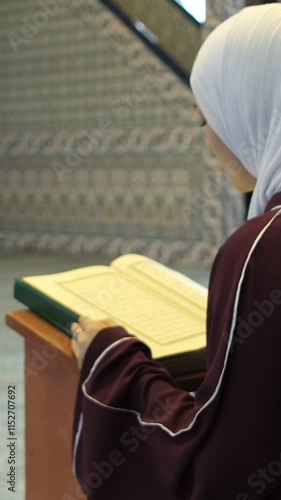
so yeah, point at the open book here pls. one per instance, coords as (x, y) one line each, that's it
(162, 307)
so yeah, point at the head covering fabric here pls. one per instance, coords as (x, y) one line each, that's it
(236, 80)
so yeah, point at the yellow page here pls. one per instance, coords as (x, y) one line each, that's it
(100, 291)
(53, 286)
(174, 286)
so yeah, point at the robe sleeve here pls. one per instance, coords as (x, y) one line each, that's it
(138, 436)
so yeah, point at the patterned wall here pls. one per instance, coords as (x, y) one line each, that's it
(98, 144)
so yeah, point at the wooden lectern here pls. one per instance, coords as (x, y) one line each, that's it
(51, 381)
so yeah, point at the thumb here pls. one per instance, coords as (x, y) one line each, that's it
(110, 322)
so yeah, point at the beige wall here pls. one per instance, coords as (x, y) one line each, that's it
(176, 32)
(99, 149)
(251, 2)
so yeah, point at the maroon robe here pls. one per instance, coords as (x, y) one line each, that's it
(138, 436)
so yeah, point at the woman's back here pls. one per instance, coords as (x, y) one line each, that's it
(136, 433)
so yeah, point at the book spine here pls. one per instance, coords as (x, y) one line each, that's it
(60, 316)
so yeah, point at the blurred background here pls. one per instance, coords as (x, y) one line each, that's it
(101, 153)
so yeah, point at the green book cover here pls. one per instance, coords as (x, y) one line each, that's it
(49, 309)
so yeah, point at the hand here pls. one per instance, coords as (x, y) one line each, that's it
(86, 330)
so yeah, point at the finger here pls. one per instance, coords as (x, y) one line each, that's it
(85, 321)
(90, 325)
(74, 326)
(109, 322)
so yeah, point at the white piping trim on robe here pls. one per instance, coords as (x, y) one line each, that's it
(277, 206)
(234, 316)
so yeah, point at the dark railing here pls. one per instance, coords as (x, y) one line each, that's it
(148, 39)
(179, 36)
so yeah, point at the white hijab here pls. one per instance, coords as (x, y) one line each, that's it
(236, 80)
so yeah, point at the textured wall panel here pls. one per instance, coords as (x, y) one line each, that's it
(99, 151)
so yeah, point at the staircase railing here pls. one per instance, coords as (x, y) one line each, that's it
(172, 49)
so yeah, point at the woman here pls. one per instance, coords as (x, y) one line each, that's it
(136, 434)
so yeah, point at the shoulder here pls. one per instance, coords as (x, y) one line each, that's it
(246, 269)
(256, 237)
(254, 249)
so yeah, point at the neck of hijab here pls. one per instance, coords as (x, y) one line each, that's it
(236, 79)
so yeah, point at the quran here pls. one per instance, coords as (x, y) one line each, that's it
(162, 307)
